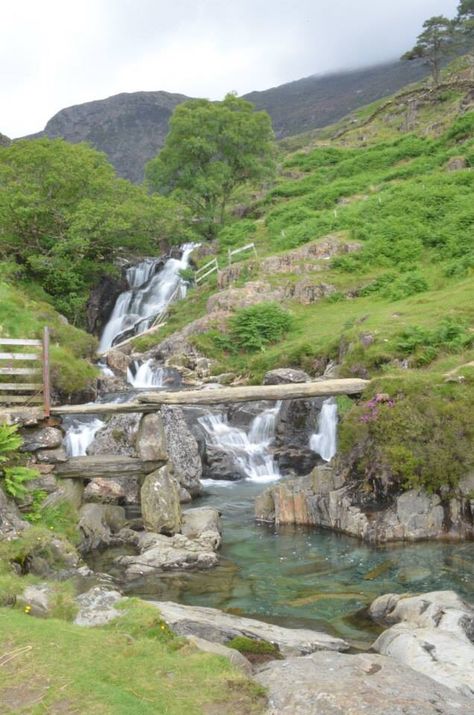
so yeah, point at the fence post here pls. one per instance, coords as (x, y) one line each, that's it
(46, 376)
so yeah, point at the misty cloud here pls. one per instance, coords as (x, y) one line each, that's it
(55, 53)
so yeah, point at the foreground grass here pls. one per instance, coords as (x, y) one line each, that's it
(50, 666)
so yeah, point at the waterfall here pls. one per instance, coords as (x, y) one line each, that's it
(324, 440)
(149, 294)
(80, 435)
(250, 452)
(145, 375)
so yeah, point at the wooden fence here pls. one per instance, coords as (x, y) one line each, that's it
(32, 363)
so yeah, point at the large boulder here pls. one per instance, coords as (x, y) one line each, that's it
(285, 375)
(117, 437)
(182, 450)
(219, 627)
(160, 500)
(432, 633)
(327, 683)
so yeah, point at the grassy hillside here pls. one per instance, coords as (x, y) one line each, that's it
(88, 670)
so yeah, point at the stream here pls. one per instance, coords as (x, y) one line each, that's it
(293, 576)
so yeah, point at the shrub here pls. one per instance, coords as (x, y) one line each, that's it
(250, 645)
(412, 432)
(255, 327)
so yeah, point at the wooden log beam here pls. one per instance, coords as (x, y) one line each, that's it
(151, 401)
(104, 466)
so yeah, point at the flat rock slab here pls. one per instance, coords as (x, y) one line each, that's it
(104, 466)
(218, 627)
(339, 684)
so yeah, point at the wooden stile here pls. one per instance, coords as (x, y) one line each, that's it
(25, 393)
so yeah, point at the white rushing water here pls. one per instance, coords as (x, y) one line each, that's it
(250, 451)
(325, 439)
(149, 294)
(146, 374)
(80, 435)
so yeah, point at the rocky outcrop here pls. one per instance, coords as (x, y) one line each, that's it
(251, 293)
(101, 302)
(129, 127)
(284, 375)
(432, 633)
(220, 627)
(324, 499)
(164, 553)
(339, 684)
(160, 501)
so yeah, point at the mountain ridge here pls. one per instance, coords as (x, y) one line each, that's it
(131, 127)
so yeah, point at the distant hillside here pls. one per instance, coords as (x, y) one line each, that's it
(129, 128)
(4, 141)
(315, 102)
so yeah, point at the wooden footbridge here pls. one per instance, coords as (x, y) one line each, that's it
(153, 400)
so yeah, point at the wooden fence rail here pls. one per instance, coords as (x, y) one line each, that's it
(18, 391)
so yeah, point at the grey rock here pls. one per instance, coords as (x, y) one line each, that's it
(236, 659)
(70, 490)
(327, 683)
(11, 523)
(324, 499)
(98, 523)
(97, 607)
(151, 438)
(220, 627)
(118, 361)
(36, 599)
(204, 524)
(283, 375)
(165, 553)
(160, 500)
(182, 449)
(51, 456)
(117, 437)
(104, 491)
(41, 438)
(432, 633)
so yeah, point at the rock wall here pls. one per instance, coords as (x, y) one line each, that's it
(324, 499)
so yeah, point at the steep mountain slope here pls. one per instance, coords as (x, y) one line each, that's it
(129, 128)
(4, 141)
(321, 100)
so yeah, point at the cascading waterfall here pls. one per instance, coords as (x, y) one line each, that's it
(324, 440)
(146, 374)
(250, 452)
(149, 294)
(80, 435)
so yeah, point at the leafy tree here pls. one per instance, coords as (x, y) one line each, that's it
(465, 18)
(433, 44)
(65, 216)
(212, 148)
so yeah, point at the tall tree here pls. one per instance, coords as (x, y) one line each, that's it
(211, 149)
(433, 44)
(465, 17)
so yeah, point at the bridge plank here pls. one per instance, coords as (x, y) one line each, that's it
(19, 370)
(20, 386)
(27, 399)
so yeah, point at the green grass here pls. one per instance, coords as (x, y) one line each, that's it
(54, 666)
(23, 316)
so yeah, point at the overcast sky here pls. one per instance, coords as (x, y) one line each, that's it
(55, 53)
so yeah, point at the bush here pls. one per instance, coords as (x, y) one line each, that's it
(412, 432)
(14, 474)
(255, 327)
